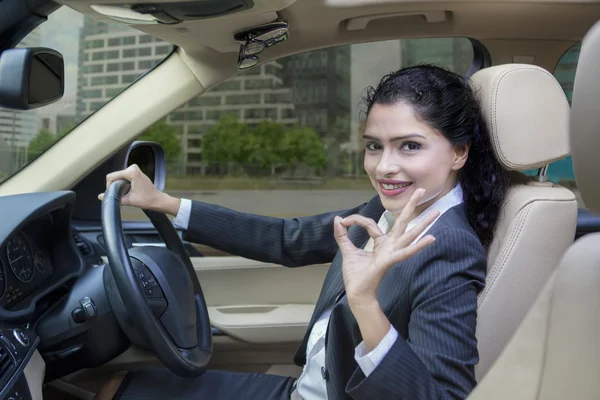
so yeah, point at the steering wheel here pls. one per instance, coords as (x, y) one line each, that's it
(159, 289)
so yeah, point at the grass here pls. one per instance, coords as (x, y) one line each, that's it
(199, 182)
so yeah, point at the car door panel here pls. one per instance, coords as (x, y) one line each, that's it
(257, 302)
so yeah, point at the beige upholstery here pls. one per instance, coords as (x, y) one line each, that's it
(528, 116)
(555, 353)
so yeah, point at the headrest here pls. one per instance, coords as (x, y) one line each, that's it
(585, 120)
(527, 114)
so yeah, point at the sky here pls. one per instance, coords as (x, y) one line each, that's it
(369, 62)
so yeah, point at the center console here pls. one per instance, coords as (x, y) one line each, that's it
(17, 346)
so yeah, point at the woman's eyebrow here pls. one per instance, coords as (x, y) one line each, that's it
(397, 138)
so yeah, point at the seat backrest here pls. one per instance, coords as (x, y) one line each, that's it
(555, 353)
(527, 114)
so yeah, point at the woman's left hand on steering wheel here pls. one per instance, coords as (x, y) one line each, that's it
(363, 270)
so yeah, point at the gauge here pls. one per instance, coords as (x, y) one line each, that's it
(2, 278)
(39, 262)
(19, 257)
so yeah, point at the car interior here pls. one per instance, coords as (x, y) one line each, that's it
(74, 304)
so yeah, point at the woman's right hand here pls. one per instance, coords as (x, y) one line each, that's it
(143, 194)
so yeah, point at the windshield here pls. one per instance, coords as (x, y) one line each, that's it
(104, 60)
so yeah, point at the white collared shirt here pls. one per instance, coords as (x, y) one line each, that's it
(312, 385)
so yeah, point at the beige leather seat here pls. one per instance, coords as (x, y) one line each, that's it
(555, 353)
(528, 118)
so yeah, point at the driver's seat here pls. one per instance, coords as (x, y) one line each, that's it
(527, 114)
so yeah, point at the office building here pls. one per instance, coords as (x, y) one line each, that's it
(112, 57)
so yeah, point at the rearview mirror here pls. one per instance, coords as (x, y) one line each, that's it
(150, 157)
(31, 77)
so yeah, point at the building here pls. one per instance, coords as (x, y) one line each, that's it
(112, 57)
(58, 117)
(320, 89)
(253, 96)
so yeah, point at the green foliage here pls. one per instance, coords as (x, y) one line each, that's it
(40, 143)
(265, 148)
(163, 133)
(303, 146)
(225, 141)
(269, 146)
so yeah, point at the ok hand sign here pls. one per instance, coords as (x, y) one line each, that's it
(363, 270)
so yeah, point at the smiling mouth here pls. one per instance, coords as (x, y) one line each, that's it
(390, 186)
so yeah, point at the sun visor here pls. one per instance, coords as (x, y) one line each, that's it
(171, 13)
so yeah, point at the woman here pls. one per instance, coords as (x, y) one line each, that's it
(395, 319)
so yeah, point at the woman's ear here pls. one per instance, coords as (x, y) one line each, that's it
(461, 153)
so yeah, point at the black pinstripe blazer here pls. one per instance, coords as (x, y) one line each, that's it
(431, 298)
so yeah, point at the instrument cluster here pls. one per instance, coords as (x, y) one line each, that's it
(25, 262)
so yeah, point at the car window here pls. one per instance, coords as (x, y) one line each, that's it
(561, 171)
(283, 139)
(101, 59)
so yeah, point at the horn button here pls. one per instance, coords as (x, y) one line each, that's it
(162, 278)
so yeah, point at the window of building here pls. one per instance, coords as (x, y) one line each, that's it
(94, 44)
(128, 40)
(112, 54)
(206, 101)
(112, 92)
(113, 67)
(93, 69)
(90, 94)
(129, 53)
(194, 143)
(145, 51)
(145, 39)
(128, 78)
(243, 99)
(145, 64)
(112, 79)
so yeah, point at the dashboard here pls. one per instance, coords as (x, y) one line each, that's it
(25, 261)
(37, 250)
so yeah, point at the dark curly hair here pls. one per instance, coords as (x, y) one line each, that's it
(447, 102)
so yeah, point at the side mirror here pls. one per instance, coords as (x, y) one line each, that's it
(31, 77)
(151, 159)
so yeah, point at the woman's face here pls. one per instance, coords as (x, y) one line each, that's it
(403, 154)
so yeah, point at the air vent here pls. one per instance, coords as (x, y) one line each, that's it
(6, 364)
(82, 245)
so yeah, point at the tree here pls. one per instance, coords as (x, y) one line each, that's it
(163, 133)
(265, 147)
(39, 144)
(303, 146)
(226, 142)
